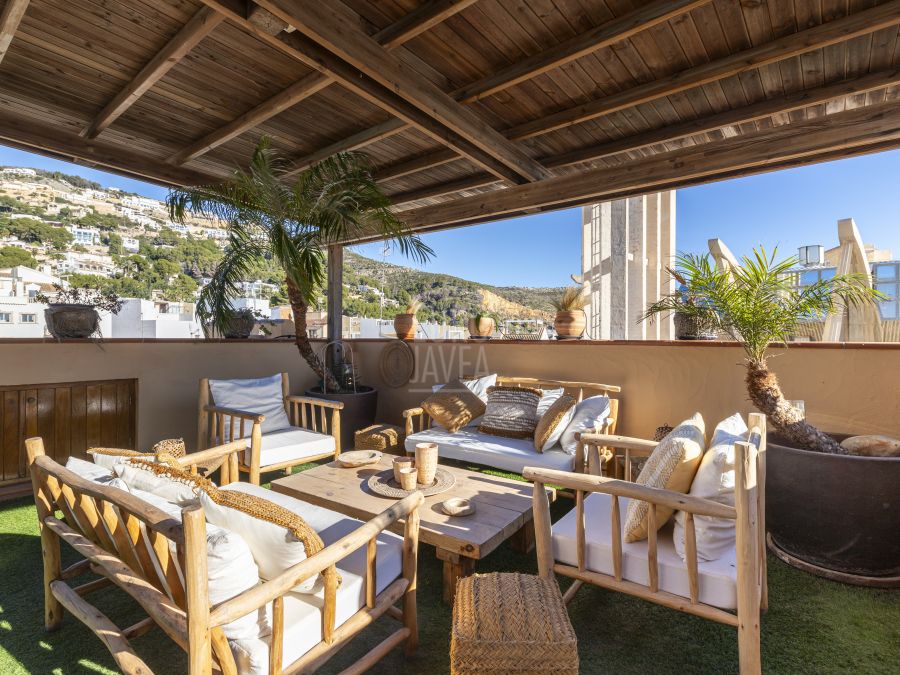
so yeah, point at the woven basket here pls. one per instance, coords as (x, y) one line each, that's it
(383, 437)
(511, 623)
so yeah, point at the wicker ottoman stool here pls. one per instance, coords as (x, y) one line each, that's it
(384, 437)
(511, 623)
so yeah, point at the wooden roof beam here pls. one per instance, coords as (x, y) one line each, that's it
(199, 26)
(332, 26)
(751, 113)
(611, 32)
(789, 46)
(842, 134)
(56, 141)
(10, 17)
(604, 35)
(416, 164)
(467, 183)
(411, 25)
(311, 54)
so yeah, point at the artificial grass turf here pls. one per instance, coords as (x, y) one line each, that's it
(813, 625)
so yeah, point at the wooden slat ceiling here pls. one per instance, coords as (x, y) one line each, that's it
(469, 109)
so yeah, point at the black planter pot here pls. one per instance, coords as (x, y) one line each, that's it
(71, 321)
(834, 515)
(240, 325)
(358, 413)
(693, 327)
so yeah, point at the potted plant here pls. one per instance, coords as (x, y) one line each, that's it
(405, 322)
(73, 312)
(692, 318)
(481, 326)
(571, 320)
(291, 219)
(241, 323)
(827, 510)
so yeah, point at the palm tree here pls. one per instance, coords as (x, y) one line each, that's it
(291, 221)
(757, 304)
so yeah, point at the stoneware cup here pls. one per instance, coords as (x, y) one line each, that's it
(401, 463)
(408, 477)
(426, 462)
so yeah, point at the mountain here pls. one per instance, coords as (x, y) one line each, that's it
(445, 297)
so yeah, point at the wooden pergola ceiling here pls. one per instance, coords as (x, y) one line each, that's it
(470, 109)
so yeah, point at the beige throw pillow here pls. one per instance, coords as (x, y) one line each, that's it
(511, 412)
(671, 466)
(453, 406)
(553, 423)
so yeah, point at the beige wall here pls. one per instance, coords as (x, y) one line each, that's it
(846, 388)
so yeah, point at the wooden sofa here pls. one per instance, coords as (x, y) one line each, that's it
(317, 423)
(161, 562)
(587, 544)
(508, 454)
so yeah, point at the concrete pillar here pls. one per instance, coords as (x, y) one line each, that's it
(626, 246)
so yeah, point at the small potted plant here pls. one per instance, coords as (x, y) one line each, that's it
(73, 312)
(571, 320)
(694, 319)
(405, 323)
(241, 323)
(481, 327)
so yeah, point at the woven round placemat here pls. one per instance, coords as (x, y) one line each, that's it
(383, 483)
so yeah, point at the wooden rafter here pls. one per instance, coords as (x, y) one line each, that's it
(840, 135)
(316, 57)
(29, 135)
(411, 25)
(468, 183)
(744, 115)
(332, 26)
(10, 17)
(416, 164)
(602, 36)
(384, 130)
(200, 25)
(789, 46)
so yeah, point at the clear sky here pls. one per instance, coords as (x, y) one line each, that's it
(785, 209)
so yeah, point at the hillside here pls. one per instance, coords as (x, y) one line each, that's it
(445, 297)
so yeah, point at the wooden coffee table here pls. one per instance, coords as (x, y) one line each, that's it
(503, 511)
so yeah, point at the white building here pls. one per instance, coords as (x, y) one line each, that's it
(141, 203)
(215, 233)
(131, 244)
(140, 318)
(86, 263)
(18, 171)
(86, 236)
(20, 315)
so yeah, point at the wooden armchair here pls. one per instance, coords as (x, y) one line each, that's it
(161, 562)
(314, 434)
(592, 549)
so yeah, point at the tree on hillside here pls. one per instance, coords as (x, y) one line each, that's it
(10, 256)
(37, 232)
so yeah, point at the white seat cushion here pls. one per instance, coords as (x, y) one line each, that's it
(303, 611)
(286, 445)
(508, 454)
(718, 578)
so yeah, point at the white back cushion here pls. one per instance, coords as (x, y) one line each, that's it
(96, 473)
(589, 415)
(138, 477)
(262, 396)
(714, 480)
(548, 398)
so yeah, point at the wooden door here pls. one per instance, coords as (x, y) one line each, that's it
(70, 416)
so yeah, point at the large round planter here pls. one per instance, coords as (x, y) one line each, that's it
(837, 516)
(240, 326)
(358, 412)
(692, 327)
(570, 325)
(405, 326)
(71, 321)
(483, 328)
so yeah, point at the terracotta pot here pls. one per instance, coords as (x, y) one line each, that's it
(570, 325)
(483, 328)
(834, 515)
(71, 321)
(405, 326)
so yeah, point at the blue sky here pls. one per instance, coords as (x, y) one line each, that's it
(785, 209)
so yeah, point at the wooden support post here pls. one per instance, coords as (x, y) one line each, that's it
(748, 595)
(410, 570)
(53, 609)
(456, 567)
(542, 534)
(335, 292)
(197, 600)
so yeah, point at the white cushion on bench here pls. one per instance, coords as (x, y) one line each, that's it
(507, 454)
(718, 578)
(303, 611)
(286, 445)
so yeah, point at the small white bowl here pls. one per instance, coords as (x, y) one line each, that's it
(457, 506)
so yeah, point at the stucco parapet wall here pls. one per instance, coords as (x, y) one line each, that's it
(550, 344)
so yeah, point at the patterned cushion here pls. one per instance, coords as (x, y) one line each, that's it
(553, 423)
(453, 406)
(511, 412)
(672, 466)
